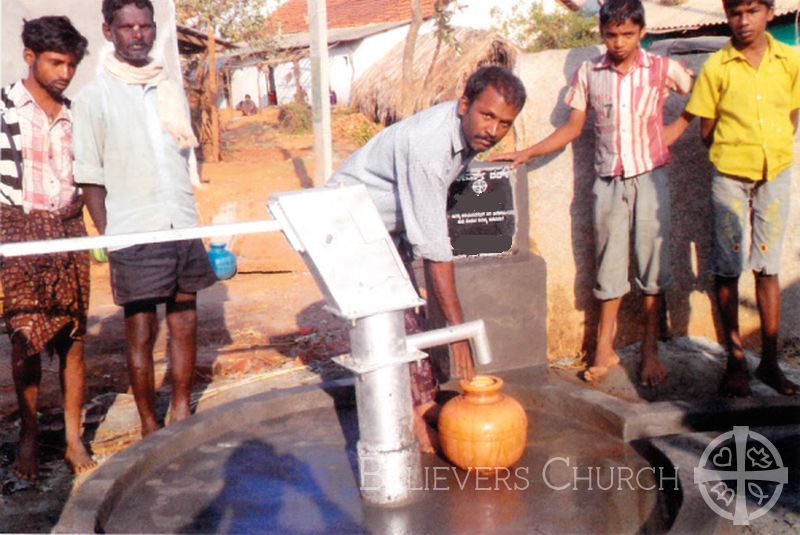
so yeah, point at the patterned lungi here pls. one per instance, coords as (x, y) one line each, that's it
(424, 384)
(44, 293)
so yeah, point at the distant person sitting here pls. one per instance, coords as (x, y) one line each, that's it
(247, 106)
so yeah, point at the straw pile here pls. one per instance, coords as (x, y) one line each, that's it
(377, 93)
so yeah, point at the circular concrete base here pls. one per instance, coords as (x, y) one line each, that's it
(286, 463)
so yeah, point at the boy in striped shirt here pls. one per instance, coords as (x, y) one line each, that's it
(625, 88)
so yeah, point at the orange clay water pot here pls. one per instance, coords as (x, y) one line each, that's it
(483, 428)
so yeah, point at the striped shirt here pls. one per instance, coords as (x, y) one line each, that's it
(46, 147)
(628, 109)
(10, 154)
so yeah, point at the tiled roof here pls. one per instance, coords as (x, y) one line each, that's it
(292, 17)
(692, 14)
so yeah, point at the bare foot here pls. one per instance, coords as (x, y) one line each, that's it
(78, 459)
(736, 381)
(605, 358)
(430, 412)
(427, 436)
(178, 413)
(26, 465)
(651, 371)
(773, 376)
(149, 427)
(603, 361)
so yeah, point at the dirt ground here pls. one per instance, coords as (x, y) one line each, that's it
(265, 322)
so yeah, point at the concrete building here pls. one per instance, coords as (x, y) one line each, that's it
(360, 33)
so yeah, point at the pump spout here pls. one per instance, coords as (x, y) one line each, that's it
(470, 330)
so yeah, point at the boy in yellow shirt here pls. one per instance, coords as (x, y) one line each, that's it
(747, 96)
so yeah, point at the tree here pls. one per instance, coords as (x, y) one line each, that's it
(235, 20)
(445, 33)
(407, 83)
(443, 13)
(528, 26)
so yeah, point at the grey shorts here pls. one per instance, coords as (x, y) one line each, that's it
(156, 271)
(749, 213)
(633, 209)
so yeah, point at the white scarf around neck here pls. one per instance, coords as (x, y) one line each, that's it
(171, 107)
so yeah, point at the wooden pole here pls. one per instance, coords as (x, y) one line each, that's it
(320, 87)
(212, 96)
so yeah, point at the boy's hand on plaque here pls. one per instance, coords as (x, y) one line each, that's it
(517, 158)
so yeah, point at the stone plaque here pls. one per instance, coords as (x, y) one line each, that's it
(481, 214)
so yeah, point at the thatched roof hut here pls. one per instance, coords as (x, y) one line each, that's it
(377, 93)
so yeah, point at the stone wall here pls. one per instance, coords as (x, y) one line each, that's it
(561, 222)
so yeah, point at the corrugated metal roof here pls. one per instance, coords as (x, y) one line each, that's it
(694, 14)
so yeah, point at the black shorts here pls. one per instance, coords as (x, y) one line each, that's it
(156, 271)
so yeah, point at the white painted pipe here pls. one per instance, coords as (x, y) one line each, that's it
(136, 238)
(470, 330)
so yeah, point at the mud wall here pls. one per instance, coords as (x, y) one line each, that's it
(561, 222)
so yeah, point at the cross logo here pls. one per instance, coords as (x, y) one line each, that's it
(737, 467)
(479, 186)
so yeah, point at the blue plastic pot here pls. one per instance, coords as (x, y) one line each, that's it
(222, 261)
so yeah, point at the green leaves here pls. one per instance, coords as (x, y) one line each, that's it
(528, 26)
(235, 20)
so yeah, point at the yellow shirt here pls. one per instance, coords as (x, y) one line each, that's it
(752, 108)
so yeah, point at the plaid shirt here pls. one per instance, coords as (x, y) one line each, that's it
(47, 182)
(628, 108)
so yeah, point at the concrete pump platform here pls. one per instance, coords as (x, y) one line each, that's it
(285, 462)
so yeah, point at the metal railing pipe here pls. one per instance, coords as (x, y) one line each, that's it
(136, 238)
